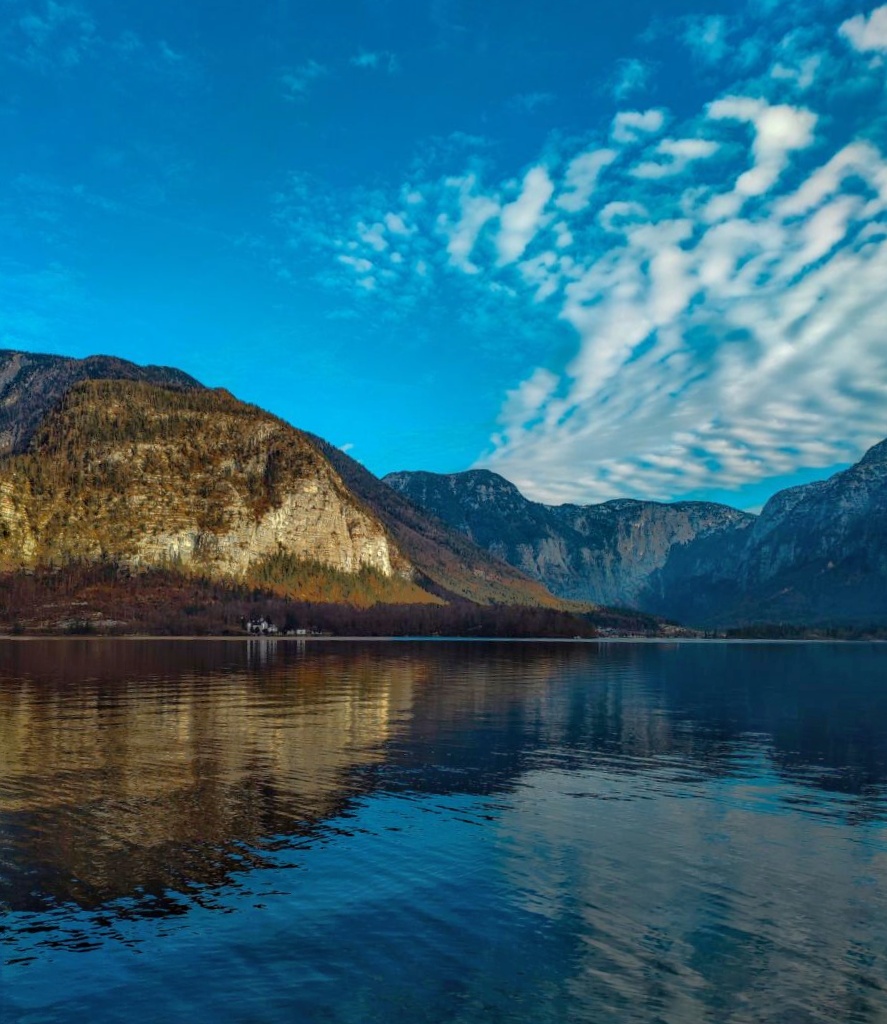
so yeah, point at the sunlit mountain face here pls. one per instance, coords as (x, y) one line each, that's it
(607, 252)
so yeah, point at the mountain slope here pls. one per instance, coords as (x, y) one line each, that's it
(449, 563)
(31, 384)
(175, 475)
(815, 554)
(142, 475)
(603, 553)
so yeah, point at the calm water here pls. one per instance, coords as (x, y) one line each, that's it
(277, 831)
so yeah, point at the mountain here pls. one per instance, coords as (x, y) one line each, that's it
(107, 462)
(816, 553)
(449, 564)
(604, 553)
(31, 384)
(143, 475)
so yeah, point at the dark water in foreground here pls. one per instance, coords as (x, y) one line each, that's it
(263, 832)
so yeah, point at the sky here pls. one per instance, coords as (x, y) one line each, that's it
(607, 250)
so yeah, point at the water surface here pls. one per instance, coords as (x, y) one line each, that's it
(288, 831)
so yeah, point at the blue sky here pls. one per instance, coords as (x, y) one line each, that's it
(607, 250)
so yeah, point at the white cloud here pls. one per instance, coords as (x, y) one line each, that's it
(867, 33)
(631, 125)
(728, 320)
(859, 160)
(619, 216)
(779, 130)
(373, 235)
(396, 224)
(462, 231)
(296, 84)
(581, 178)
(677, 154)
(358, 263)
(802, 73)
(733, 350)
(521, 219)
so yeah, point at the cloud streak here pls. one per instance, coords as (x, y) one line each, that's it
(723, 283)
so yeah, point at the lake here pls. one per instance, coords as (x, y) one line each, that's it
(263, 831)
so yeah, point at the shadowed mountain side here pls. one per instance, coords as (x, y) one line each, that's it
(449, 562)
(816, 553)
(31, 384)
(601, 553)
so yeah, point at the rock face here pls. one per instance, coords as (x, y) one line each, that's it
(31, 384)
(448, 563)
(816, 553)
(144, 475)
(143, 466)
(603, 553)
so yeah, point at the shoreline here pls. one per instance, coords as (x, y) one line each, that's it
(142, 637)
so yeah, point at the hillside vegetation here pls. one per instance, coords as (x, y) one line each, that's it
(105, 599)
(144, 476)
(32, 384)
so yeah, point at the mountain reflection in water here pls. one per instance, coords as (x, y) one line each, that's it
(690, 828)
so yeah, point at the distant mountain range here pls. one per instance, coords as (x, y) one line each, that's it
(816, 553)
(103, 462)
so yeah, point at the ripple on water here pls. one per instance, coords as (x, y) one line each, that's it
(371, 832)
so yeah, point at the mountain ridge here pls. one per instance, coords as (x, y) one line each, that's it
(104, 461)
(577, 551)
(816, 552)
(31, 383)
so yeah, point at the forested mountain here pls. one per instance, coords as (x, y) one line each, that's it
(31, 384)
(141, 468)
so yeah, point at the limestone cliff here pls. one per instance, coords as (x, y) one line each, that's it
(144, 475)
(101, 459)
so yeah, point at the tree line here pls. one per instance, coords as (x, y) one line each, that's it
(105, 598)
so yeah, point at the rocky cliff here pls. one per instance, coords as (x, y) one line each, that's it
(816, 553)
(448, 563)
(602, 553)
(102, 460)
(144, 475)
